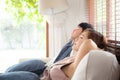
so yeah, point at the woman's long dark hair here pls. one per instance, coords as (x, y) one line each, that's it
(97, 37)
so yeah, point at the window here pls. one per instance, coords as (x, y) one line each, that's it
(115, 20)
(106, 19)
(100, 16)
(22, 31)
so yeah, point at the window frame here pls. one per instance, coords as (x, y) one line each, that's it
(47, 39)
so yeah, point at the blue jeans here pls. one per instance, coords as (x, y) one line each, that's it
(19, 75)
(27, 70)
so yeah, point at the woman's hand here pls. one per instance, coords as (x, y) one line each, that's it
(90, 44)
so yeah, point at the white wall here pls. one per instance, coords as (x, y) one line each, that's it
(62, 24)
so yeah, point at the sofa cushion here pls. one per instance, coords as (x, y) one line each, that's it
(97, 65)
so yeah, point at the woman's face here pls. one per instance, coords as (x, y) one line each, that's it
(79, 40)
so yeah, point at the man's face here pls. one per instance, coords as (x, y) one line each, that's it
(76, 32)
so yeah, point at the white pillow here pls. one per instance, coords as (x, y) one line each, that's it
(97, 65)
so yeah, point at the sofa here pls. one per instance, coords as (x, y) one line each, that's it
(96, 65)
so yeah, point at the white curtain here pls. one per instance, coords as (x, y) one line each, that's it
(62, 24)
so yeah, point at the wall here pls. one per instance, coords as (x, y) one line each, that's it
(62, 24)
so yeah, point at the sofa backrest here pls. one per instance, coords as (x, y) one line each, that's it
(97, 65)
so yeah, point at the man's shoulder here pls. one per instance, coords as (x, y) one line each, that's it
(69, 42)
(66, 46)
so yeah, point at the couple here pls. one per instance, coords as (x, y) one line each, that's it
(64, 69)
(84, 39)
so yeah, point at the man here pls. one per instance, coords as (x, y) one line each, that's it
(37, 66)
(66, 50)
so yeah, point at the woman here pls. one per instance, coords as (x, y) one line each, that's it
(64, 69)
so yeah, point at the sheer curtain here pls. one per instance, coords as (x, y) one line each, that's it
(62, 24)
(57, 33)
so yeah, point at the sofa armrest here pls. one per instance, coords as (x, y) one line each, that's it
(42, 59)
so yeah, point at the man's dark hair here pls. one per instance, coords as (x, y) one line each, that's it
(85, 25)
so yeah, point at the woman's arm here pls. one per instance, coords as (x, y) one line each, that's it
(85, 47)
